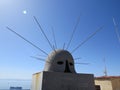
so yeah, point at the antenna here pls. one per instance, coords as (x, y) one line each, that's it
(73, 32)
(54, 37)
(87, 39)
(105, 68)
(43, 32)
(116, 30)
(26, 40)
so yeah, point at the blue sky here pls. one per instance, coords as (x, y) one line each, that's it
(15, 60)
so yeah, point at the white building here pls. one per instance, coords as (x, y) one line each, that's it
(108, 83)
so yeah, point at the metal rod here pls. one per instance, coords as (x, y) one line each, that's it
(87, 39)
(116, 30)
(76, 25)
(26, 40)
(54, 37)
(40, 59)
(63, 46)
(43, 32)
(41, 55)
(83, 63)
(54, 48)
(77, 58)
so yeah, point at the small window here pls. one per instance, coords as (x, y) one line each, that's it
(71, 64)
(97, 87)
(60, 62)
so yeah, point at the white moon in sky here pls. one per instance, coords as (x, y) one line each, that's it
(24, 12)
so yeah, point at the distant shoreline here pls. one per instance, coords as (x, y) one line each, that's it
(5, 84)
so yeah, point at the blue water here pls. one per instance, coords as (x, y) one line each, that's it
(5, 84)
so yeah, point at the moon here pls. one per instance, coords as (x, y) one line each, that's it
(24, 12)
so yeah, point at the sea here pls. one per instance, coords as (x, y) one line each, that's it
(5, 84)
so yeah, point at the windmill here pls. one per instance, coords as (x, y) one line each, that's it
(54, 47)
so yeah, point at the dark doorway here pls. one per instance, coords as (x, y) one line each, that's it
(67, 69)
